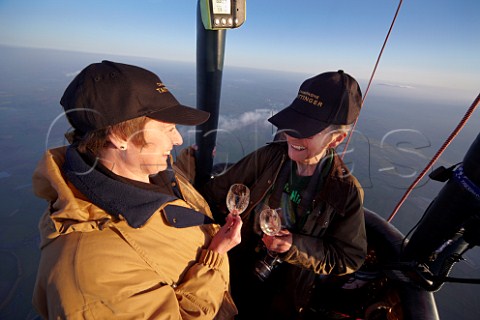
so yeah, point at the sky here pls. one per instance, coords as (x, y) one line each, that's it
(433, 42)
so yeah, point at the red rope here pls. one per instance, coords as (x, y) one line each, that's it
(455, 132)
(445, 144)
(372, 75)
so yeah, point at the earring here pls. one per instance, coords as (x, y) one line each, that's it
(123, 147)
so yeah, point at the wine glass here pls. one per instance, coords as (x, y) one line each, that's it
(270, 222)
(238, 198)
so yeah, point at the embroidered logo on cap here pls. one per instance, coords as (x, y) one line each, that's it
(309, 98)
(161, 88)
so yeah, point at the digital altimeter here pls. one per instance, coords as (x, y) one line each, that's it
(222, 14)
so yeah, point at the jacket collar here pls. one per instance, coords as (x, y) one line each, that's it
(119, 199)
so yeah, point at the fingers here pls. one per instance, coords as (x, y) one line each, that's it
(283, 233)
(277, 243)
(229, 235)
(268, 241)
(233, 223)
(232, 217)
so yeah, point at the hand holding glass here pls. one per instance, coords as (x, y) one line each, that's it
(271, 224)
(238, 198)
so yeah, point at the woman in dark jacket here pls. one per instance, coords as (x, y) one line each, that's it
(321, 203)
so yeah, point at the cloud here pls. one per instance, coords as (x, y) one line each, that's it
(4, 174)
(72, 74)
(396, 85)
(257, 117)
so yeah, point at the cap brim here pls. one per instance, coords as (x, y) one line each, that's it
(180, 114)
(296, 124)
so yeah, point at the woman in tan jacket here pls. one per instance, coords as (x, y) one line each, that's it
(125, 235)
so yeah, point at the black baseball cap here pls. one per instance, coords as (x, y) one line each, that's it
(326, 99)
(107, 93)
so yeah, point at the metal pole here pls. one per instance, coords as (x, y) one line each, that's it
(210, 57)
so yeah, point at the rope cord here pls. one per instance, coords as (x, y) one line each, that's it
(372, 75)
(455, 132)
(439, 152)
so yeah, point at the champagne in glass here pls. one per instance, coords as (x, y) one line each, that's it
(270, 222)
(238, 198)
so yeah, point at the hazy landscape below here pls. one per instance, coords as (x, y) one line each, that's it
(398, 131)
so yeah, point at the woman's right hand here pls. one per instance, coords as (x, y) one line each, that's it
(282, 242)
(228, 236)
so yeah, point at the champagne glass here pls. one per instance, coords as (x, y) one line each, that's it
(270, 222)
(238, 198)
